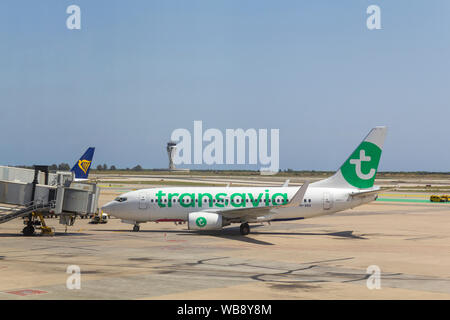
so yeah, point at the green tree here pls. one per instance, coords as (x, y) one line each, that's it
(64, 167)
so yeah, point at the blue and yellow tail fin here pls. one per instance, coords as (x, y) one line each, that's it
(82, 166)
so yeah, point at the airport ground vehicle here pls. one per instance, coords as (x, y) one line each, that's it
(99, 219)
(441, 198)
(435, 198)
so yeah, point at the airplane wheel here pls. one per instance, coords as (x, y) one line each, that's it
(28, 231)
(136, 228)
(245, 229)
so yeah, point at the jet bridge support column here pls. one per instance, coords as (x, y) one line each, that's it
(29, 229)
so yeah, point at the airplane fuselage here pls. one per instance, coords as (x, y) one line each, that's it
(175, 203)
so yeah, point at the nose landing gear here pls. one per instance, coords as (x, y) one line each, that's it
(136, 228)
(245, 229)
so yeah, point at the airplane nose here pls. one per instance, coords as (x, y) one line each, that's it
(109, 207)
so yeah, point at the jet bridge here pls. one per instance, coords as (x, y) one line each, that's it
(18, 212)
(34, 194)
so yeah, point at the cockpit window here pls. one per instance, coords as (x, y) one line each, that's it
(120, 199)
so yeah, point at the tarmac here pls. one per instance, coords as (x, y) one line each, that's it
(321, 258)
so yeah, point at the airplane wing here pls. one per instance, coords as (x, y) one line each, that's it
(243, 214)
(298, 197)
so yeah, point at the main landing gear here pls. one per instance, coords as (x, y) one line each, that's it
(245, 229)
(136, 228)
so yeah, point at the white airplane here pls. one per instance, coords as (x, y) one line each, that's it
(212, 208)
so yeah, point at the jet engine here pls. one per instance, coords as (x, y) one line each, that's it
(204, 221)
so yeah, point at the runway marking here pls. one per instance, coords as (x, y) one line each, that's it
(26, 292)
(411, 201)
(403, 195)
(403, 200)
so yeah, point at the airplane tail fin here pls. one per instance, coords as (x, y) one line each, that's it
(359, 170)
(82, 166)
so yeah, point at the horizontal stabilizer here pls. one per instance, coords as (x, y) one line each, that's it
(362, 194)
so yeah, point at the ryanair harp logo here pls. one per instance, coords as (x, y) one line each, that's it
(84, 165)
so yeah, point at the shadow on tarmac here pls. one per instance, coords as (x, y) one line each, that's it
(37, 234)
(232, 233)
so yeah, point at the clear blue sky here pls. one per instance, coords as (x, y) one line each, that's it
(137, 70)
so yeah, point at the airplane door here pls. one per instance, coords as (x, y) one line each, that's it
(143, 203)
(327, 201)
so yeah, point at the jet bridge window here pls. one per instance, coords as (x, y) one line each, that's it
(121, 199)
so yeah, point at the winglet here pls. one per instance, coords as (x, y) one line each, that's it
(286, 183)
(298, 197)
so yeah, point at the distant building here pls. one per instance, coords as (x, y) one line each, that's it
(171, 148)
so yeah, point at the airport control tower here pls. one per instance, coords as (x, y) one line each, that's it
(171, 148)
